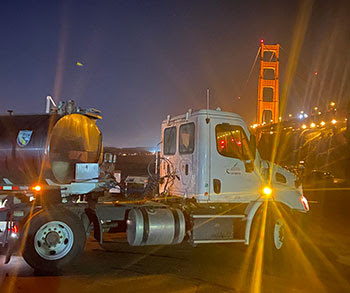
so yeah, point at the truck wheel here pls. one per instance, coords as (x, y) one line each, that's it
(54, 239)
(277, 237)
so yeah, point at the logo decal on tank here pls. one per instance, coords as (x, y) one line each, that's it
(23, 137)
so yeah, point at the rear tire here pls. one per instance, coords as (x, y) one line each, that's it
(54, 240)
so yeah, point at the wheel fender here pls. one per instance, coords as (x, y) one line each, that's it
(289, 197)
(250, 211)
(28, 217)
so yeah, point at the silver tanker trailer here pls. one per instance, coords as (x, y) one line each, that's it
(49, 166)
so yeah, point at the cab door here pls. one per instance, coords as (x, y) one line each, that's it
(178, 148)
(232, 171)
(186, 157)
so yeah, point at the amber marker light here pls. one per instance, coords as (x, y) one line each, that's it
(267, 191)
(36, 188)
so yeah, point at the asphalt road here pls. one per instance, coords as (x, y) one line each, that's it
(320, 263)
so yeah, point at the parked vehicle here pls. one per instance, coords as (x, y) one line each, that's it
(213, 188)
(318, 179)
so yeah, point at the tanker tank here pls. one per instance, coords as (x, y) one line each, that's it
(38, 147)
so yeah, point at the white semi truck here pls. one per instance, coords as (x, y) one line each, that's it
(213, 188)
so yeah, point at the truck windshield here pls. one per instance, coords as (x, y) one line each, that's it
(231, 141)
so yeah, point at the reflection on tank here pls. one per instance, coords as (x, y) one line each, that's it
(47, 146)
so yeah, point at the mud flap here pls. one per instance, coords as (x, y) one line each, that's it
(98, 232)
(8, 255)
(12, 247)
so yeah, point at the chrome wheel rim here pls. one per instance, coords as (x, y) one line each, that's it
(53, 240)
(278, 234)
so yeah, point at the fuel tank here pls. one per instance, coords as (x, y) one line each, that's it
(155, 226)
(38, 147)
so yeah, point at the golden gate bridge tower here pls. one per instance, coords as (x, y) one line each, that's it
(268, 85)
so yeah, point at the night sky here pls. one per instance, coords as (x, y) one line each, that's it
(143, 60)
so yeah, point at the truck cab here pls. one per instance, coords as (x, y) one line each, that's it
(215, 160)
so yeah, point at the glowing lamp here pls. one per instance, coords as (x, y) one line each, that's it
(36, 188)
(305, 203)
(15, 229)
(267, 190)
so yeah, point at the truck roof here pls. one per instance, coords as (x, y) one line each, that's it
(205, 112)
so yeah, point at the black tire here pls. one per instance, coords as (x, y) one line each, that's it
(68, 240)
(275, 233)
(277, 237)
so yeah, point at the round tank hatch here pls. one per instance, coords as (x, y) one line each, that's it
(75, 138)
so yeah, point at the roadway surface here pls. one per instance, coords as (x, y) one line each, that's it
(320, 264)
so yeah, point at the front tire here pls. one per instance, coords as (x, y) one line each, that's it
(277, 236)
(54, 239)
(271, 235)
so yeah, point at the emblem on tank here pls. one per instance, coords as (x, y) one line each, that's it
(23, 137)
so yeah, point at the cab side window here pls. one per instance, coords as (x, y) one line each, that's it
(231, 141)
(186, 138)
(169, 143)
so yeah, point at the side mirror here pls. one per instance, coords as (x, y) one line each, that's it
(252, 146)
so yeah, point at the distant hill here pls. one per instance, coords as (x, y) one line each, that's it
(128, 151)
(132, 161)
